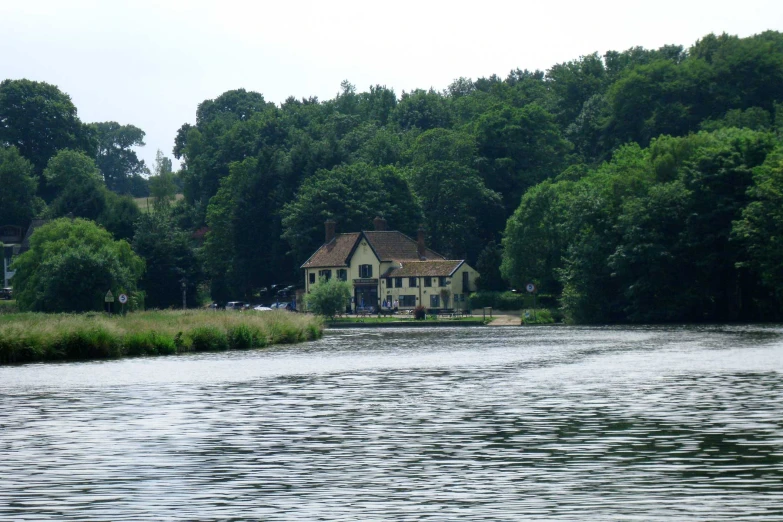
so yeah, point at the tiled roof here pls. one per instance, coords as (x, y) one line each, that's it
(391, 245)
(425, 268)
(334, 253)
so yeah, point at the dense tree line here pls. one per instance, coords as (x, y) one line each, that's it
(640, 185)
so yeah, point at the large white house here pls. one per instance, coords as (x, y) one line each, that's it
(386, 265)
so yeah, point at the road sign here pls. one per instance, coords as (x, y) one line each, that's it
(109, 297)
(530, 287)
(122, 298)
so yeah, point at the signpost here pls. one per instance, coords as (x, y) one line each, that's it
(531, 288)
(122, 298)
(109, 299)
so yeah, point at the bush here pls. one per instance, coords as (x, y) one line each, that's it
(149, 343)
(420, 313)
(510, 300)
(537, 316)
(206, 338)
(242, 337)
(329, 297)
(92, 343)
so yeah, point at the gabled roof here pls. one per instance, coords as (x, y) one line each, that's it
(388, 245)
(335, 253)
(391, 245)
(434, 268)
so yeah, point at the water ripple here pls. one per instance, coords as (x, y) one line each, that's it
(475, 424)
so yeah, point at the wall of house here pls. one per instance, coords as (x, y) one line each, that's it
(457, 293)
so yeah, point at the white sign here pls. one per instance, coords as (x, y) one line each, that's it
(122, 298)
(531, 287)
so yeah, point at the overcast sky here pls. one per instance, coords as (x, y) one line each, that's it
(150, 63)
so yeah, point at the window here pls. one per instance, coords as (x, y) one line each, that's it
(397, 282)
(408, 301)
(312, 278)
(442, 281)
(342, 274)
(412, 282)
(434, 301)
(388, 282)
(326, 274)
(365, 271)
(465, 282)
(427, 281)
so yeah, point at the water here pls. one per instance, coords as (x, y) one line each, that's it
(439, 424)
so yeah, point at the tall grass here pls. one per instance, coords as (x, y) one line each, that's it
(31, 337)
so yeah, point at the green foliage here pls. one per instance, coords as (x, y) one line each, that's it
(78, 185)
(537, 316)
(116, 159)
(500, 300)
(353, 195)
(162, 187)
(488, 267)
(18, 202)
(169, 258)
(31, 337)
(328, 297)
(70, 266)
(208, 338)
(39, 120)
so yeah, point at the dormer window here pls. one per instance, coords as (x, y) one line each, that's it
(365, 271)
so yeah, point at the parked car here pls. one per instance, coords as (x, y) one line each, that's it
(237, 305)
(261, 308)
(6, 293)
(282, 306)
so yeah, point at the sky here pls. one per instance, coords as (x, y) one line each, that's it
(150, 63)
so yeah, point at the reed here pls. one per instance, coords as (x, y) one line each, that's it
(29, 337)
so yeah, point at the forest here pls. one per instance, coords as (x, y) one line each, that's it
(635, 186)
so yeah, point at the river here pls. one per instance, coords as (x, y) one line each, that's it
(563, 423)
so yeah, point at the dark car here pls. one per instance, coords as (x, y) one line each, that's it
(6, 293)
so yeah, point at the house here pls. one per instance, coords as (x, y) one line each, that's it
(386, 265)
(11, 238)
(15, 243)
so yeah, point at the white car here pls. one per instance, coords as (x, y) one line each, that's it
(260, 308)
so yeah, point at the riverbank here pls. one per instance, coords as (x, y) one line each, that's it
(32, 337)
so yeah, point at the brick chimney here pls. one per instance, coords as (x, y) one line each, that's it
(420, 248)
(380, 224)
(329, 227)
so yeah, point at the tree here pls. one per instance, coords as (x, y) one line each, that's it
(18, 203)
(162, 187)
(78, 185)
(71, 265)
(488, 267)
(759, 230)
(329, 297)
(40, 120)
(116, 159)
(353, 195)
(169, 258)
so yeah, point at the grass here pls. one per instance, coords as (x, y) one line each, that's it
(28, 337)
(145, 204)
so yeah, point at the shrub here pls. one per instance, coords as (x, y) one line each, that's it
(206, 338)
(329, 297)
(537, 316)
(420, 313)
(88, 343)
(149, 343)
(242, 337)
